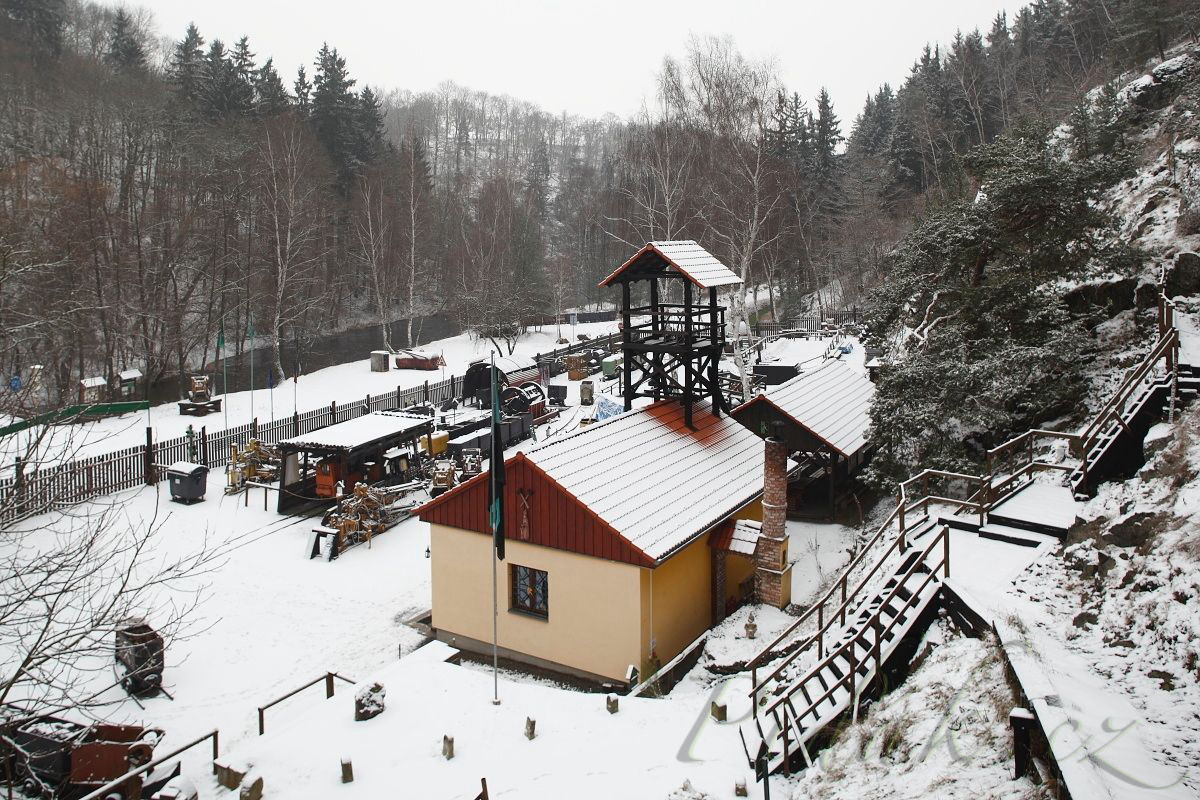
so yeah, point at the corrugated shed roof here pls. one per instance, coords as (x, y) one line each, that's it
(832, 401)
(689, 258)
(654, 481)
(358, 431)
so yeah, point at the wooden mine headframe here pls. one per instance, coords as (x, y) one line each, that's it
(674, 351)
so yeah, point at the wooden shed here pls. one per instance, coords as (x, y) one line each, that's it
(825, 415)
(367, 449)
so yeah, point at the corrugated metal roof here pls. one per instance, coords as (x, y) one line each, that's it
(654, 481)
(832, 401)
(358, 431)
(689, 258)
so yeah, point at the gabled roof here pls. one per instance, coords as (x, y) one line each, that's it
(737, 536)
(832, 402)
(641, 476)
(685, 257)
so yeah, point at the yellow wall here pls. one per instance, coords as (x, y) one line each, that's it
(737, 569)
(604, 615)
(676, 603)
(594, 604)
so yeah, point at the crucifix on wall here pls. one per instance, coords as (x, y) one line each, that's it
(523, 531)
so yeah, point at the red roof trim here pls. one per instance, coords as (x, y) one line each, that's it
(648, 247)
(640, 558)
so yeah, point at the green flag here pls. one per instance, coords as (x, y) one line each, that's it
(496, 471)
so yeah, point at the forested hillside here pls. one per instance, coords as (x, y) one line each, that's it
(159, 187)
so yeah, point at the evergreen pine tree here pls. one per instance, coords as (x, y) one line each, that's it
(186, 69)
(38, 23)
(125, 50)
(336, 114)
(270, 96)
(302, 90)
(243, 74)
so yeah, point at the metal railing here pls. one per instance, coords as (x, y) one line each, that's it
(328, 677)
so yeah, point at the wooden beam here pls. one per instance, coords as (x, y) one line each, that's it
(688, 364)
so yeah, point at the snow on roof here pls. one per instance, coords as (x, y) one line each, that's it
(833, 402)
(507, 364)
(129, 374)
(92, 383)
(654, 481)
(688, 258)
(357, 432)
(745, 536)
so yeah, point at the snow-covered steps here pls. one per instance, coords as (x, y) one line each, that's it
(799, 707)
(1039, 507)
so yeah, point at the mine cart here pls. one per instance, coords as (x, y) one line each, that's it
(59, 759)
(139, 654)
(444, 478)
(200, 399)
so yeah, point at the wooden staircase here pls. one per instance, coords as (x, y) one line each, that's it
(817, 669)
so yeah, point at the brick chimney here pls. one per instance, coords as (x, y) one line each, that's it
(773, 573)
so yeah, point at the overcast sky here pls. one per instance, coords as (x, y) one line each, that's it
(585, 58)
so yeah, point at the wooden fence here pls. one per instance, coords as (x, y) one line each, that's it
(810, 324)
(34, 489)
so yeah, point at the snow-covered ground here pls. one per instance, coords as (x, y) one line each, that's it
(344, 383)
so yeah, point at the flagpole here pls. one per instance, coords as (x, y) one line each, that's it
(495, 523)
(251, 367)
(224, 375)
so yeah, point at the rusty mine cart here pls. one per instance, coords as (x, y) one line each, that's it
(57, 759)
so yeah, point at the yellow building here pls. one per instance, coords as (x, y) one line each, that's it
(621, 547)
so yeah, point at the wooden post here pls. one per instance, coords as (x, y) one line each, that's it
(688, 365)
(843, 606)
(254, 428)
(149, 456)
(878, 637)
(821, 630)
(946, 551)
(262, 721)
(332, 411)
(204, 444)
(1022, 722)
(626, 338)
(713, 338)
(328, 685)
(426, 391)
(853, 679)
(347, 771)
(295, 424)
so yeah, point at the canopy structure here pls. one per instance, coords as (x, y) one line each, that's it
(824, 414)
(370, 431)
(381, 446)
(685, 258)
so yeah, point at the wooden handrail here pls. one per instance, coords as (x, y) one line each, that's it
(981, 501)
(891, 595)
(848, 602)
(761, 656)
(1125, 389)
